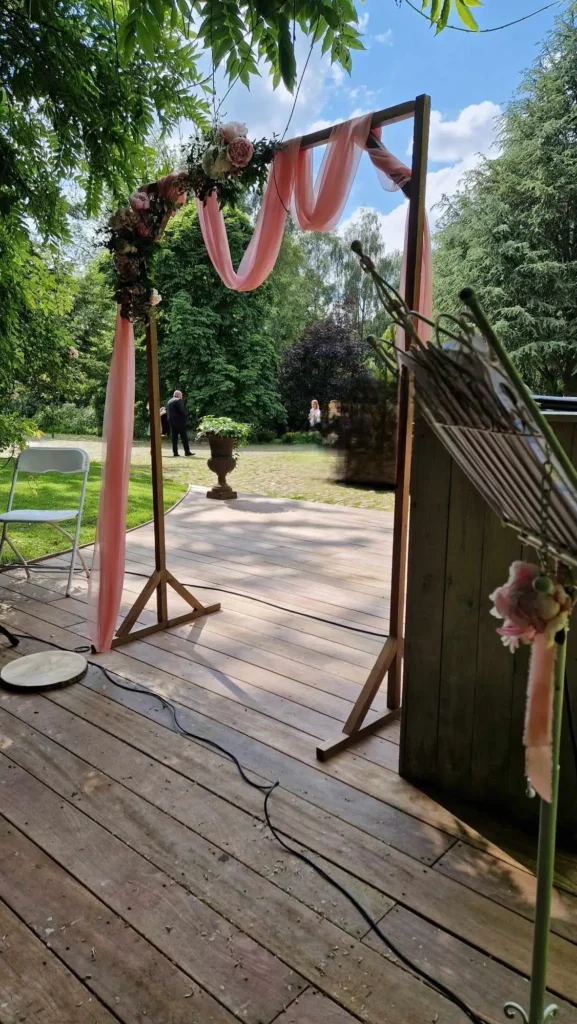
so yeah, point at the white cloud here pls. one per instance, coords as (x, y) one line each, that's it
(363, 21)
(476, 140)
(385, 37)
(473, 131)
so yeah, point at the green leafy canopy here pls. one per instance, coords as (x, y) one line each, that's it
(440, 11)
(511, 232)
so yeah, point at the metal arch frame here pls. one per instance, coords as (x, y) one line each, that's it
(390, 660)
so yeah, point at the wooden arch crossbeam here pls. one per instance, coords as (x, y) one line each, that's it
(389, 661)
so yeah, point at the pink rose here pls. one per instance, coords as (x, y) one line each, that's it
(240, 151)
(139, 201)
(233, 130)
(528, 611)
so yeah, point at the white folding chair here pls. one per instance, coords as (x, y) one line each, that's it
(48, 460)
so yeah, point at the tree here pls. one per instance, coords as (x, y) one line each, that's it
(357, 289)
(215, 344)
(328, 364)
(84, 83)
(512, 230)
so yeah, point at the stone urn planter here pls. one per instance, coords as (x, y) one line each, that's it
(224, 435)
(222, 462)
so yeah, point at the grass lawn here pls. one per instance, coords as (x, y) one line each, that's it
(304, 473)
(55, 491)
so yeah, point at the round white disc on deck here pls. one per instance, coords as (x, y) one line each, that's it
(44, 670)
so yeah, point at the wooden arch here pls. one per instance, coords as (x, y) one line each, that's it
(390, 660)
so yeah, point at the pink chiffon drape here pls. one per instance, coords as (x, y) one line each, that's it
(315, 206)
(107, 574)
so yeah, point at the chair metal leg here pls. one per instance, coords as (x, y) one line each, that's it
(18, 554)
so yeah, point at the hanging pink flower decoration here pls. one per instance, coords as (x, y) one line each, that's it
(215, 163)
(139, 201)
(233, 130)
(528, 610)
(240, 151)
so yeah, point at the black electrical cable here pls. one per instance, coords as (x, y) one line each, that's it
(495, 28)
(268, 789)
(273, 604)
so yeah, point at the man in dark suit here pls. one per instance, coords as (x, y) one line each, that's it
(176, 412)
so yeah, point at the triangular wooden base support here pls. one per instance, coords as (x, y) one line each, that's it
(159, 581)
(354, 729)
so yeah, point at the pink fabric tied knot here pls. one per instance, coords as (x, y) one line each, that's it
(534, 614)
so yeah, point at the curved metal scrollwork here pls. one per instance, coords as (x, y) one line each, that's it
(512, 1009)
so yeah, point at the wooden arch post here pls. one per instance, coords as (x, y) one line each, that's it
(390, 660)
(161, 578)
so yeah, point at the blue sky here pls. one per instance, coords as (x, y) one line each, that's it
(469, 78)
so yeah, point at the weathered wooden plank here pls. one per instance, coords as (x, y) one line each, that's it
(317, 949)
(314, 1008)
(475, 919)
(232, 967)
(494, 671)
(234, 831)
(35, 986)
(480, 981)
(508, 885)
(119, 967)
(373, 784)
(430, 489)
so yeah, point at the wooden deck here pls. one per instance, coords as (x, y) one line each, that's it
(138, 880)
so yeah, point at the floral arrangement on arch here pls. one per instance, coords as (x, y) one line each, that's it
(221, 160)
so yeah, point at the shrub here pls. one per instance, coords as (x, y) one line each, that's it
(223, 426)
(302, 437)
(68, 419)
(262, 435)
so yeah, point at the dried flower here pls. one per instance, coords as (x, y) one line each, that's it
(73, 353)
(240, 151)
(233, 130)
(155, 298)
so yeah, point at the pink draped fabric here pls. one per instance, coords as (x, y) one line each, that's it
(315, 206)
(538, 734)
(318, 206)
(107, 575)
(262, 250)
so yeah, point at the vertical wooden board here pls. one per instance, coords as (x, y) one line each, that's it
(494, 676)
(35, 986)
(459, 640)
(430, 491)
